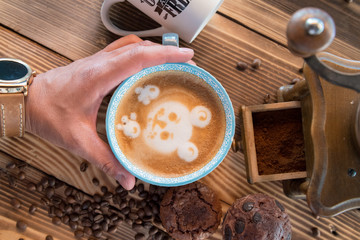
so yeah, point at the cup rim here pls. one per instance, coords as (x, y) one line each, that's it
(192, 177)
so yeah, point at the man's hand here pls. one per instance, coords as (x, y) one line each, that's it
(63, 103)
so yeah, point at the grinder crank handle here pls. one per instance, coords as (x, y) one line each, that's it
(310, 31)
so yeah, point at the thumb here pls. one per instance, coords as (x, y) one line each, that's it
(99, 153)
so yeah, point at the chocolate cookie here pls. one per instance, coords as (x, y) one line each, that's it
(256, 216)
(190, 212)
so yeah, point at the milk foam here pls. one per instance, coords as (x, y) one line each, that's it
(188, 151)
(148, 93)
(168, 127)
(200, 116)
(130, 127)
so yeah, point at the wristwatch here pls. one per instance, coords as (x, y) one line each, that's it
(15, 79)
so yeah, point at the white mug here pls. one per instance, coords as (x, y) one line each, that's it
(184, 17)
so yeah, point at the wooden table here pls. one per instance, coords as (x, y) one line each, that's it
(49, 34)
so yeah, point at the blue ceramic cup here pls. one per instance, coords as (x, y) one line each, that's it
(174, 181)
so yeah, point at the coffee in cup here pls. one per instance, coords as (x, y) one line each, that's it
(170, 123)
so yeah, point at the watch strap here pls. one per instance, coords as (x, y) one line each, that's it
(12, 115)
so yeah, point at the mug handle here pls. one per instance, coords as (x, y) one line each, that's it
(105, 18)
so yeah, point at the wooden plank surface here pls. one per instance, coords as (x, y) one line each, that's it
(270, 18)
(217, 49)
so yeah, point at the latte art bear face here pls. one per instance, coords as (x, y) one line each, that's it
(169, 121)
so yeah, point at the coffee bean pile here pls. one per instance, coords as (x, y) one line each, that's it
(102, 214)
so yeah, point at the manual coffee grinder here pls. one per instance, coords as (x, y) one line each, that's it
(330, 110)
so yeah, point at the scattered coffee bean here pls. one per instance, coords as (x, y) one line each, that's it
(56, 220)
(158, 236)
(49, 237)
(108, 195)
(119, 189)
(15, 203)
(132, 203)
(118, 221)
(73, 225)
(256, 63)
(95, 226)
(147, 225)
(68, 191)
(241, 66)
(78, 234)
(155, 197)
(248, 206)
(125, 210)
(95, 181)
(104, 226)
(124, 194)
(71, 199)
(58, 184)
(112, 229)
(266, 99)
(87, 231)
(21, 226)
(97, 233)
(68, 208)
(10, 165)
(12, 181)
(49, 192)
(98, 218)
(153, 230)
(315, 232)
(104, 189)
(79, 196)
(56, 200)
(21, 175)
(39, 187)
(84, 166)
(140, 236)
(97, 198)
(65, 219)
(157, 220)
(31, 186)
(140, 187)
(133, 216)
(45, 201)
(257, 217)
(133, 190)
(143, 194)
(137, 227)
(51, 181)
(33, 208)
(74, 217)
(44, 182)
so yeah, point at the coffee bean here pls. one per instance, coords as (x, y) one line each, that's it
(241, 66)
(153, 230)
(158, 236)
(56, 220)
(44, 182)
(104, 189)
(85, 205)
(104, 204)
(78, 234)
(84, 166)
(138, 221)
(125, 210)
(279, 205)
(51, 181)
(147, 218)
(256, 63)
(58, 184)
(132, 203)
(74, 217)
(248, 206)
(147, 225)
(112, 229)
(155, 209)
(49, 192)
(124, 194)
(59, 213)
(95, 226)
(123, 204)
(68, 191)
(257, 217)
(239, 226)
(77, 208)
(45, 201)
(31, 186)
(155, 197)
(108, 195)
(21, 226)
(148, 210)
(39, 187)
(12, 181)
(119, 189)
(97, 198)
(266, 99)
(49, 237)
(137, 227)
(79, 196)
(118, 221)
(143, 194)
(68, 208)
(33, 208)
(95, 181)
(86, 222)
(97, 233)
(98, 218)
(142, 204)
(95, 205)
(104, 226)
(15, 203)
(65, 219)
(56, 200)
(228, 233)
(21, 175)
(87, 231)
(10, 165)
(315, 232)
(133, 190)
(133, 216)
(73, 225)
(71, 199)
(157, 220)
(140, 236)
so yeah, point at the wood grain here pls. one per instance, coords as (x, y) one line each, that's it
(270, 18)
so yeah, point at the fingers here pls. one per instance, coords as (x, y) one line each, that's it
(129, 39)
(100, 154)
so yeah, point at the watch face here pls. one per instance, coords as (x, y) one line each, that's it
(10, 70)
